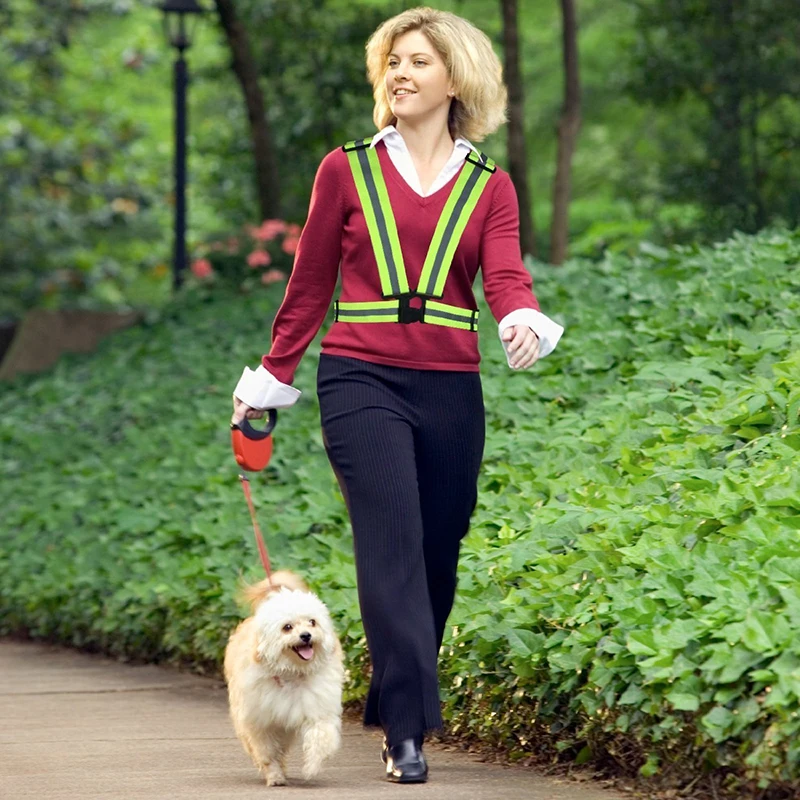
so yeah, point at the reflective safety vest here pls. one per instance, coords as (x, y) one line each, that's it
(395, 307)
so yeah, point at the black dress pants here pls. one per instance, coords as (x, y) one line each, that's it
(406, 446)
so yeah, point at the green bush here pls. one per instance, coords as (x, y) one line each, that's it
(629, 589)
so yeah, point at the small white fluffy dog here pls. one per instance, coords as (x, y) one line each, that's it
(284, 671)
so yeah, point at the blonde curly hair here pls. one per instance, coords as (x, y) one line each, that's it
(479, 105)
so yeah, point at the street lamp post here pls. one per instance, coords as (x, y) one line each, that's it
(180, 17)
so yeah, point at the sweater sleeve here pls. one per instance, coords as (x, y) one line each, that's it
(507, 284)
(313, 279)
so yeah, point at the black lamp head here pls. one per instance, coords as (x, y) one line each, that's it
(180, 17)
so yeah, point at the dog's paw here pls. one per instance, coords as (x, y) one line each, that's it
(275, 778)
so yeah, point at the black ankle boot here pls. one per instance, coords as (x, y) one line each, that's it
(385, 746)
(405, 762)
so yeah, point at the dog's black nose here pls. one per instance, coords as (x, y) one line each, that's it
(306, 637)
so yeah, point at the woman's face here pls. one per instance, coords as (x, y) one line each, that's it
(417, 82)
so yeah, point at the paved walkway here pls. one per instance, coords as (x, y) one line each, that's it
(80, 727)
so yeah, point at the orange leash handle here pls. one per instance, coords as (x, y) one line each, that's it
(252, 449)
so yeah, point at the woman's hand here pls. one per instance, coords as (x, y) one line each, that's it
(523, 350)
(242, 410)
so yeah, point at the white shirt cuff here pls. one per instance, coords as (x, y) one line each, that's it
(261, 389)
(548, 331)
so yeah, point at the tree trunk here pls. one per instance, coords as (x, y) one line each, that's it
(246, 71)
(517, 157)
(568, 125)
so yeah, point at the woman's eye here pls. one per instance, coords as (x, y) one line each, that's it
(418, 61)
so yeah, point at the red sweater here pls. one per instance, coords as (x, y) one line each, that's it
(335, 234)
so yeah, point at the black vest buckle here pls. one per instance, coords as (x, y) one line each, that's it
(407, 313)
(480, 161)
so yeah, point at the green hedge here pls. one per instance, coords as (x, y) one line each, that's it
(630, 588)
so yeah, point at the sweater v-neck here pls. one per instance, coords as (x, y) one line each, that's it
(387, 165)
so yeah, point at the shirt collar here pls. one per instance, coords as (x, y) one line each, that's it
(391, 131)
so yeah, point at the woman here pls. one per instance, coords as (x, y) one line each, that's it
(408, 215)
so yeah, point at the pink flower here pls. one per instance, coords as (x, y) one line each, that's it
(259, 258)
(289, 244)
(293, 229)
(233, 245)
(272, 276)
(201, 268)
(217, 246)
(268, 230)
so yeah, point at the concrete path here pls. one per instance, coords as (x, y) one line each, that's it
(80, 727)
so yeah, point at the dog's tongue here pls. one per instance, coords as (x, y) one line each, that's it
(305, 651)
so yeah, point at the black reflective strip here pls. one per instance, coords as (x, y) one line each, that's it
(482, 161)
(451, 223)
(364, 312)
(430, 312)
(380, 221)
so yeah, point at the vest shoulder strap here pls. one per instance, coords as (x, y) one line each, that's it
(469, 186)
(373, 195)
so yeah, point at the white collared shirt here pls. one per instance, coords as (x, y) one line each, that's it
(401, 158)
(260, 389)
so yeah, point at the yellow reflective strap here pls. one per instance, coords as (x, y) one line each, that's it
(345, 316)
(370, 216)
(394, 257)
(377, 311)
(387, 311)
(450, 316)
(460, 223)
(378, 214)
(460, 204)
(378, 304)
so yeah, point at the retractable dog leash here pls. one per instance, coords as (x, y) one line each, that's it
(252, 449)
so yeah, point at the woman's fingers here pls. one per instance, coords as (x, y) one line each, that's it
(517, 338)
(515, 343)
(531, 355)
(243, 411)
(524, 347)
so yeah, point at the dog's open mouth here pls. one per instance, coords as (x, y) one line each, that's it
(305, 651)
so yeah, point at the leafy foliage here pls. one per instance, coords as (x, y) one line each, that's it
(730, 70)
(643, 560)
(78, 214)
(629, 587)
(311, 57)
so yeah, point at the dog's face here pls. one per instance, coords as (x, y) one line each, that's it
(295, 632)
